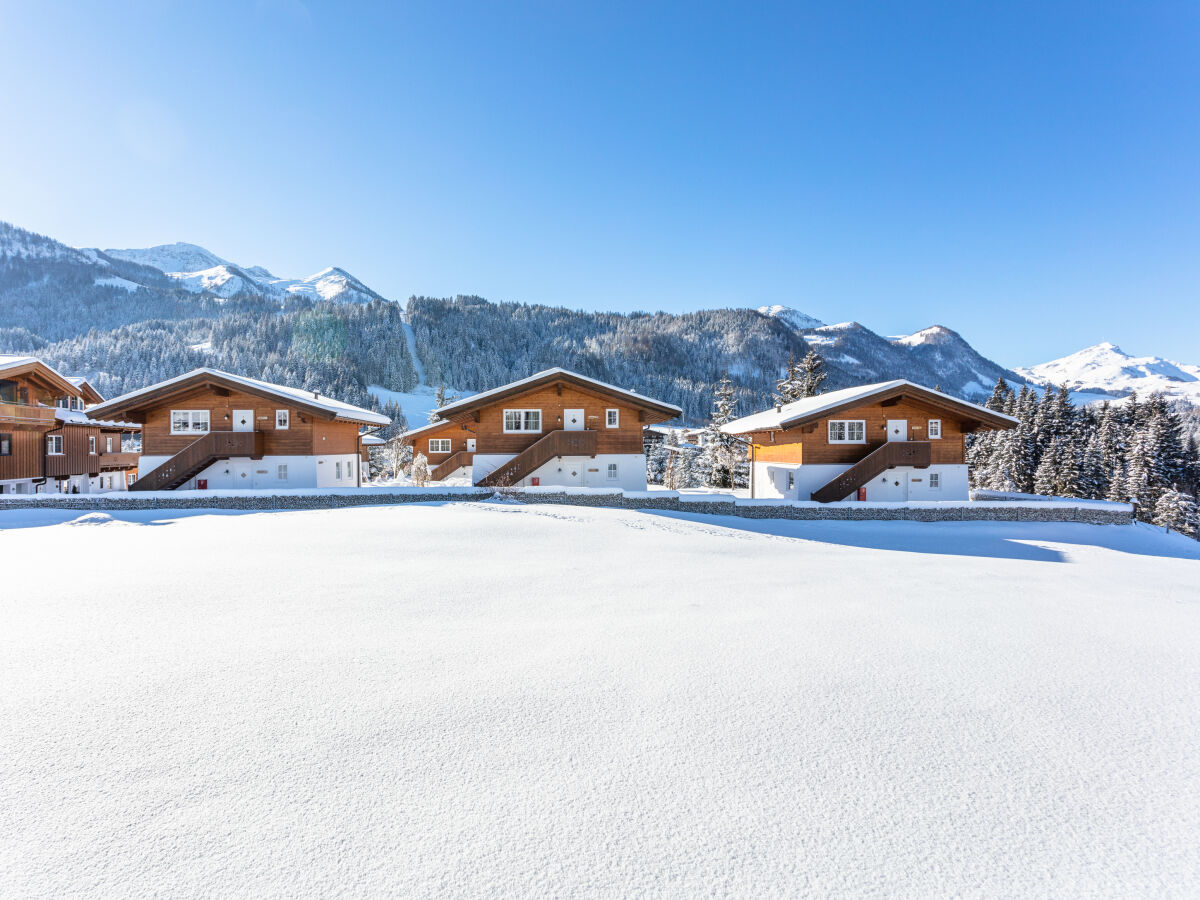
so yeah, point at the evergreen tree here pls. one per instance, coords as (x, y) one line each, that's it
(440, 399)
(793, 384)
(721, 452)
(812, 374)
(420, 470)
(1045, 480)
(1177, 511)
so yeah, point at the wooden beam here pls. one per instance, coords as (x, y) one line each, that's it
(892, 401)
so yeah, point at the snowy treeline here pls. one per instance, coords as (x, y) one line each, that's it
(1134, 451)
(336, 349)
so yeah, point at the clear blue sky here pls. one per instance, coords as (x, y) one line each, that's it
(1028, 174)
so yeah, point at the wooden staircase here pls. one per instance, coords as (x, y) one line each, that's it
(451, 465)
(199, 455)
(536, 455)
(879, 460)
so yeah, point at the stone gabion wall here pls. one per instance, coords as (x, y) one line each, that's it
(1007, 511)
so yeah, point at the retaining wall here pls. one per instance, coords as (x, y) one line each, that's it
(720, 505)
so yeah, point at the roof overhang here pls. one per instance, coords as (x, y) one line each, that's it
(464, 410)
(37, 372)
(156, 395)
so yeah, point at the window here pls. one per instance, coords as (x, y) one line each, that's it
(108, 445)
(522, 420)
(130, 477)
(847, 431)
(337, 471)
(5, 445)
(281, 472)
(612, 472)
(189, 421)
(54, 444)
(612, 418)
(8, 391)
(439, 445)
(91, 443)
(791, 482)
(935, 480)
(281, 419)
(935, 429)
(64, 402)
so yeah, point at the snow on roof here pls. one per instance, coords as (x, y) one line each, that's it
(79, 417)
(372, 440)
(475, 398)
(811, 407)
(11, 362)
(437, 423)
(342, 410)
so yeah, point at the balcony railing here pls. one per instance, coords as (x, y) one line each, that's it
(121, 460)
(26, 414)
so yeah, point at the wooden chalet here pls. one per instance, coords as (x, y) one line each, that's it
(555, 428)
(49, 441)
(892, 441)
(209, 429)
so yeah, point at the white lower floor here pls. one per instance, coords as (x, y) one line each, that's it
(615, 470)
(787, 481)
(330, 470)
(103, 483)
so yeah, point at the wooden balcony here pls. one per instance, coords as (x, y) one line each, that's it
(119, 460)
(533, 457)
(25, 416)
(884, 457)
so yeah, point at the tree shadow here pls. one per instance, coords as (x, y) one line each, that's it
(997, 540)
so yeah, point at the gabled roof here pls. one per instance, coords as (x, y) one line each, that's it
(421, 429)
(89, 393)
(458, 408)
(324, 406)
(800, 412)
(78, 417)
(51, 378)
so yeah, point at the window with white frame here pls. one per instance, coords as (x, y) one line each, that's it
(189, 421)
(6, 444)
(64, 402)
(612, 418)
(130, 477)
(847, 431)
(281, 471)
(108, 445)
(281, 419)
(791, 481)
(54, 444)
(935, 429)
(522, 421)
(337, 471)
(91, 443)
(935, 480)
(439, 445)
(613, 472)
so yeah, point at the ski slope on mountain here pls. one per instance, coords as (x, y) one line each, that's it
(505, 700)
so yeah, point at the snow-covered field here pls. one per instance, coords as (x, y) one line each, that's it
(541, 700)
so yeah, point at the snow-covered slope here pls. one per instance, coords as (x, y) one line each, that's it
(1107, 369)
(200, 270)
(956, 362)
(793, 318)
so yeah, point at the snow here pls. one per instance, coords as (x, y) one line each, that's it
(1106, 369)
(415, 404)
(385, 701)
(177, 258)
(793, 318)
(342, 410)
(935, 334)
(116, 281)
(809, 407)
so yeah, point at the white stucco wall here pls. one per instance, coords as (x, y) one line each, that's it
(574, 471)
(770, 482)
(262, 474)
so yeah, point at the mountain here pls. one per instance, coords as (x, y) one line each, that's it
(792, 318)
(1107, 370)
(958, 365)
(202, 271)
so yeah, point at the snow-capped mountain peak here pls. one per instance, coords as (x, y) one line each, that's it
(934, 334)
(793, 318)
(177, 258)
(1107, 369)
(202, 271)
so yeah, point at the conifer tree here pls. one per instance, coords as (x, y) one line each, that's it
(813, 373)
(721, 452)
(1177, 511)
(792, 385)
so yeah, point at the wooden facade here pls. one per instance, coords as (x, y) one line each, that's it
(809, 443)
(40, 409)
